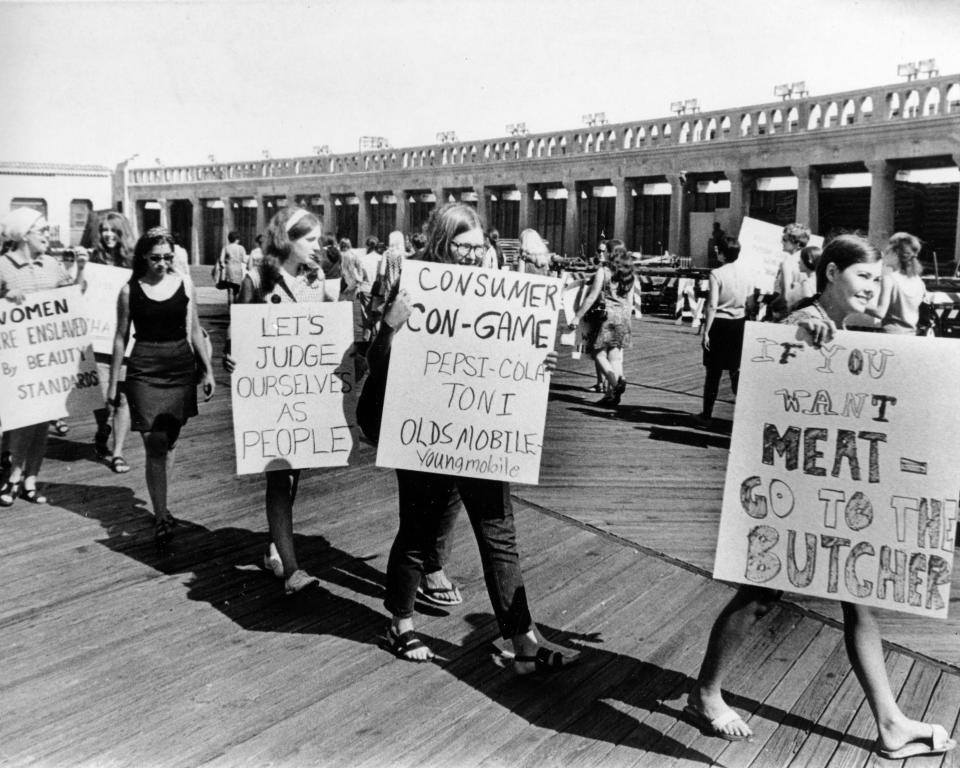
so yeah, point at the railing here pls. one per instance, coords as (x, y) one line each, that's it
(913, 100)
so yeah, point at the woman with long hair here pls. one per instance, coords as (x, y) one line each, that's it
(609, 334)
(26, 267)
(902, 290)
(455, 236)
(290, 272)
(848, 275)
(161, 373)
(113, 247)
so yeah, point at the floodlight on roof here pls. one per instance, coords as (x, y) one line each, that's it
(678, 107)
(908, 70)
(692, 105)
(446, 137)
(798, 89)
(928, 67)
(782, 91)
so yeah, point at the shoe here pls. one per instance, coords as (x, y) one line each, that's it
(442, 596)
(32, 495)
(60, 427)
(119, 465)
(609, 400)
(400, 645)
(702, 421)
(715, 727)
(620, 387)
(9, 493)
(545, 660)
(100, 442)
(937, 743)
(163, 529)
(272, 561)
(597, 388)
(299, 581)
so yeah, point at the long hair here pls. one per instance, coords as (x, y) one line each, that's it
(141, 251)
(121, 255)
(279, 240)
(622, 285)
(844, 251)
(906, 247)
(444, 225)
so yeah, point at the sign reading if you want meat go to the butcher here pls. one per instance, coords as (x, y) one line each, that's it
(842, 479)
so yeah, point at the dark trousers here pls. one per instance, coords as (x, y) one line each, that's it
(424, 505)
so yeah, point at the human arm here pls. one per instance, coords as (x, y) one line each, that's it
(595, 287)
(196, 334)
(246, 295)
(711, 312)
(883, 301)
(395, 315)
(119, 343)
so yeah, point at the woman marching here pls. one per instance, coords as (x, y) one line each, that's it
(289, 273)
(113, 247)
(847, 279)
(161, 374)
(25, 267)
(455, 236)
(610, 334)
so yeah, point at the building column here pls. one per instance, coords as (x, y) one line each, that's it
(956, 232)
(196, 219)
(330, 215)
(164, 212)
(482, 207)
(740, 183)
(678, 237)
(881, 201)
(228, 220)
(403, 212)
(261, 224)
(525, 215)
(571, 227)
(620, 211)
(363, 218)
(808, 197)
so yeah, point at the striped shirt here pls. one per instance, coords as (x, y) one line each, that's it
(40, 273)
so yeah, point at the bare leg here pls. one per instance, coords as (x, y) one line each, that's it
(157, 457)
(615, 356)
(747, 607)
(121, 425)
(279, 505)
(603, 363)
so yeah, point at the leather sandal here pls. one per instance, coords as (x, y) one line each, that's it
(119, 465)
(32, 495)
(9, 493)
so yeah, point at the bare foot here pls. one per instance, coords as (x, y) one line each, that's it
(405, 644)
(714, 716)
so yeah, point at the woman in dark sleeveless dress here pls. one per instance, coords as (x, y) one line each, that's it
(161, 375)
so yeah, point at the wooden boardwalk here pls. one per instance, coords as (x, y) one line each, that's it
(113, 655)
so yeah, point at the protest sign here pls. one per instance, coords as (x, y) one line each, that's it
(293, 389)
(467, 389)
(47, 370)
(103, 287)
(762, 249)
(842, 480)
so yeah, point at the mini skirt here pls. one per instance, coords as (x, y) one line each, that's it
(161, 385)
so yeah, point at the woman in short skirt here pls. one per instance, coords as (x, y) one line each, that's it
(161, 380)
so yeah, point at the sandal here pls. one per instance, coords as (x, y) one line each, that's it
(544, 660)
(119, 465)
(60, 427)
(9, 493)
(32, 495)
(400, 645)
(442, 596)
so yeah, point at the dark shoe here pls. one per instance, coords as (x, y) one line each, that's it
(621, 386)
(9, 493)
(60, 427)
(100, 442)
(609, 400)
(32, 495)
(703, 421)
(163, 529)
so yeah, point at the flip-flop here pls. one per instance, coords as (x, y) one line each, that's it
(442, 596)
(936, 743)
(714, 727)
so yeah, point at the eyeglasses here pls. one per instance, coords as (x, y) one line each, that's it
(465, 250)
(167, 257)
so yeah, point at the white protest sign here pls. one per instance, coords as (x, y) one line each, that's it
(103, 287)
(47, 370)
(293, 389)
(761, 248)
(842, 477)
(467, 390)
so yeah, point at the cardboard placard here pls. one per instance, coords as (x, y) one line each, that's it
(842, 479)
(467, 389)
(762, 249)
(293, 391)
(100, 298)
(47, 370)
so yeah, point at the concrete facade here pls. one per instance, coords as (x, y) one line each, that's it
(878, 130)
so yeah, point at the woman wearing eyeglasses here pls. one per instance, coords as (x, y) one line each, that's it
(161, 374)
(455, 236)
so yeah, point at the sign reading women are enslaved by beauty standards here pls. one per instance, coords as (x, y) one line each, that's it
(842, 478)
(47, 370)
(467, 387)
(103, 287)
(293, 389)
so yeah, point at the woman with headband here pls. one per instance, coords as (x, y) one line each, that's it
(288, 273)
(25, 268)
(161, 374)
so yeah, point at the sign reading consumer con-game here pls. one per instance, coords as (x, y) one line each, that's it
(467, 386)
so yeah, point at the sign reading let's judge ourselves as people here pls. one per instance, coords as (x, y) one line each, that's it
(293, 389)
(47, 370)
(467, 387)
(842, 479)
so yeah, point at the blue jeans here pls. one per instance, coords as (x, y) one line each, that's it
(425, 502)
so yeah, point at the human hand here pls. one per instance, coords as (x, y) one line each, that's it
(705, 342)
(821, 331)
(399, 311)
(16, 296)
(550, 361)
(83, 256)
(209, 385)
(229, 364)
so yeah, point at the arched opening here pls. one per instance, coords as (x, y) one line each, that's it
(640, 137)
(697, 131)
(953, 98)
(588, 147)
(776, 122)
(849, 114)
(627, 138)
(530, 148)
(725, 126)
(600, 141)
(551, 146)
(711, 129)
(831, 115)
(563, 145)
(654, 133)
(815, 116)
(746, 123)
(667, 131)
(911, 106)
(612, 139)
(931, 104)
(684, 132)
(793, 119)
(866, 108)
(761, 123)
(893, 105)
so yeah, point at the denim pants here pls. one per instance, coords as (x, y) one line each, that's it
(424, 505)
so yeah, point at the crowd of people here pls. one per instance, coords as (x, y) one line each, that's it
(152, 389)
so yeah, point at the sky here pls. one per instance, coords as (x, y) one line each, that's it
(176, 82)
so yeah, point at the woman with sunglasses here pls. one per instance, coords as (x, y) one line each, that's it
(161, 374)
(25, 268)
(455, 236)
(114, 248)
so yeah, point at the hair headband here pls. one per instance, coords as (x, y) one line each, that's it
(291, 222)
